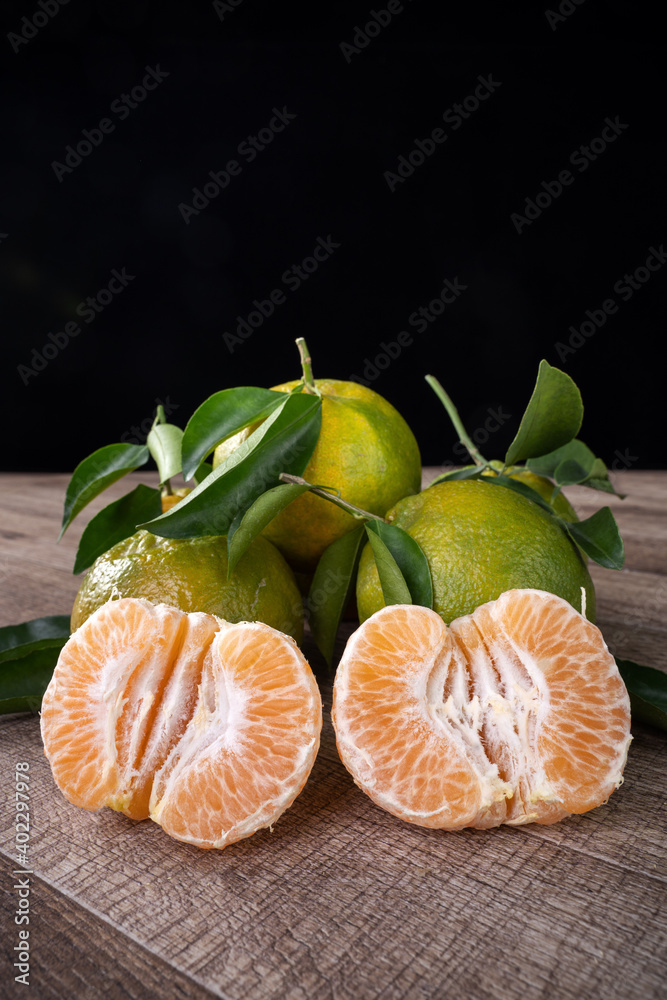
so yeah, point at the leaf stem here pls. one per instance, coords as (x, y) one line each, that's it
(465, 440)
(306, 366)
(324, 492)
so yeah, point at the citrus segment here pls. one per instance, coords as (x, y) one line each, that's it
(209, 728)
(514, 714)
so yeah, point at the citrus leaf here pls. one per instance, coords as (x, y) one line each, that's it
(221, 415)
(598, 479)
(243, 532)
(115, 522)
(552, 418)
(518, 487)
(394, 587)
(598, 536)
(570, 472)
(203, 470)
(409, 558)
(332, 588)
(24, 681)
(574, 462)
(17, 641)
(470, 472)
(99, 470)
(164, 444)
(284, 442)
(604, 484)
(573, 451)
(647, 688)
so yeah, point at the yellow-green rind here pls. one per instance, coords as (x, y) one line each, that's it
(480, 541)
(366, 450)
(191, 574)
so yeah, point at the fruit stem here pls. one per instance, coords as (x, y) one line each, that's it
(467, 443)
(326, 494)
(306, 366)
(166, 488)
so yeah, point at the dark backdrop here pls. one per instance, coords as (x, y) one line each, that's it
(158, 283)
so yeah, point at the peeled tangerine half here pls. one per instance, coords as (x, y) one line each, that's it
(210, 729)
(514, 714)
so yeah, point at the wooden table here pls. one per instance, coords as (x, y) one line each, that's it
(342, 900)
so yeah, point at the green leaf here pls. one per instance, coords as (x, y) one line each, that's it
(256, 517)
(518, 487)
(23, 681)
(96, 472)
(598, 536)
(115, 522)
(332, 588)
(164, 444)
(28, 654)
(573, 451)
(574, 462)
(469, 472)
(17, 641)
(409, 558)
(552, 418)
(647, 688)
(284, 442)
(570, 472)
(203, 470)
(599, 479)
(221, 415)
(605, 485)
(394, 587)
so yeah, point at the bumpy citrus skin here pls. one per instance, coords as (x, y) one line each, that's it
(191, 574)
(480, 541)
(545, 488)
(365, 449)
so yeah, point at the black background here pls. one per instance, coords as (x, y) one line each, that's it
(323, 175)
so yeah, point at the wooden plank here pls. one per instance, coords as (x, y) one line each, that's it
(75, 953)
(344, 900)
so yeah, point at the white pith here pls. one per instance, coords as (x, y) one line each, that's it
(485, 709)
(180, 741)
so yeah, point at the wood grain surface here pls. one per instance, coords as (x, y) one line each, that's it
(342, 900)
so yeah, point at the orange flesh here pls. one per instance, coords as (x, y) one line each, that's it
(514, 714)
(210, 729)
